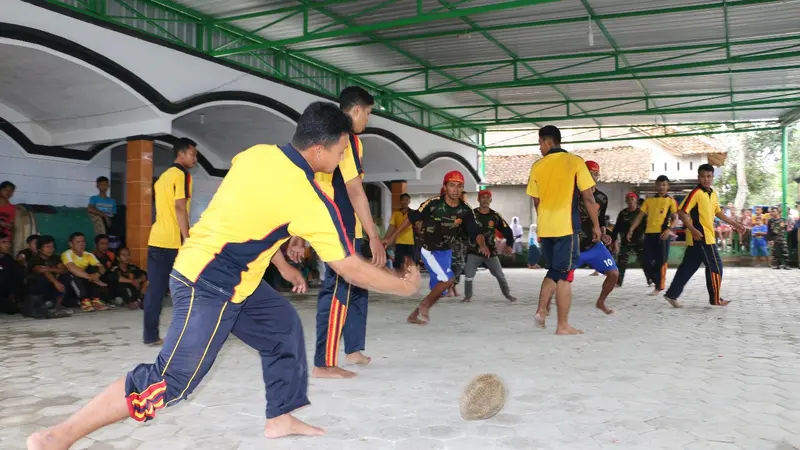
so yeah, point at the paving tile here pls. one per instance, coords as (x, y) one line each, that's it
(650, 377)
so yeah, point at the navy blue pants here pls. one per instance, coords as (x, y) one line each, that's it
(159, 266)
(656, 255)
(696, 255)
(202, 319)
(341, 313)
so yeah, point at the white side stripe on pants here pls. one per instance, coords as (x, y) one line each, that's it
(440, 272)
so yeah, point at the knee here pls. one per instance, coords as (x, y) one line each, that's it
(613, 275)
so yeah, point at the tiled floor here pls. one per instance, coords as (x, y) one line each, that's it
(649, 377)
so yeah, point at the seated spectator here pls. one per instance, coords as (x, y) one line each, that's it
(45, 289)
(102, 207)
(128, 280)
(84, 275)
(9, 276)
(102, 253)
(8, 212)
(26, 255)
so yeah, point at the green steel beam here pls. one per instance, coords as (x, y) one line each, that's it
(728, 52)
(628, 73)
(562, 21)
(348, 22)
(160, 7)
(613, 43)
(790, 117)
(636, 138)
(747, 105)
(474, 26)
(785, 170)
(283, 10)
(727, 124)
(417, 19)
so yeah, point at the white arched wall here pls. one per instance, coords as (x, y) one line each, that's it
(384, 160)
(432, 175)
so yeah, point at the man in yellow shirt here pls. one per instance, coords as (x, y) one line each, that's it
(336, 297)
(404, 248)
(83, 275)
(697, 211)
(558, 181)
(173, 192)
(660, 210)
(217, 289)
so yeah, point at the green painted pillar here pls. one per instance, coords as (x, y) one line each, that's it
(785, 170)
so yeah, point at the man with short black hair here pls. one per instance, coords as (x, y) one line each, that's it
(84, 274)
(25, 255)
(404, 250)
(777, 237)
(217, 287)
(46, 282)
(554, 181)
(102, 207)
(630, 242)
(697, 212)
(660, 210)
(336, 297)
(173, 192)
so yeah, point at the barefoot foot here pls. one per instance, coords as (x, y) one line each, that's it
(466, 300)
(423, 313)
(723, 302)
(46, 440)
(604, 308)
(331, 372)
(357, 358)
(567, 330)
(673, 302)
(288, 425)
(655, 293)
(539, 318)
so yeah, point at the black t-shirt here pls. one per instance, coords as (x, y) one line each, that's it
(41, 260)
(624, 221)
(441, 223)
(586, 221)
(7, 265)
(28, 255)
(131, 271)
(487, 224)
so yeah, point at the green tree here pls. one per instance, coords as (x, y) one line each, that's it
(762, 161)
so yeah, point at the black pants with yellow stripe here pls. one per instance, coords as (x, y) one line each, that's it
(202, 319)
(341, 313)
(656, 255)
(697, 254)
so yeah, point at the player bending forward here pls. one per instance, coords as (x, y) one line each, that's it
(217, 287)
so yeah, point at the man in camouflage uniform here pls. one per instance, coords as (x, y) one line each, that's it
(634, 246)
(776, 227)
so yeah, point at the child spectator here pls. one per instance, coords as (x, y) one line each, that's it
(758, 244)
(128, 280)
(8, 212)
(44, 282)
(102, 253)
(26, 255)
(9, 276)
(102, 207)
(747, 221)
(84, 275)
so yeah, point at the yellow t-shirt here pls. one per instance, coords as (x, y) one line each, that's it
(174, 184)
(406, 237)
(702, 206)
(268, 195)
(85, 260)
(335, 185)
(557, 181)
(659, 211)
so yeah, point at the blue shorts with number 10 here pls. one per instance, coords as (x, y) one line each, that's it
(598, 258)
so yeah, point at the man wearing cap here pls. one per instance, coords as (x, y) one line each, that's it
(442, 219)
(489, 222)
(632, 245)
(592, 253)
(661, 211)
(554, 182)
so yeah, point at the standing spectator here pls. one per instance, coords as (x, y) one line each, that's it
(747, 221)
(9, 276)
(26, 255)
(84, 272)
(758, 246)
(44, 282)
(129, 281)
(777, 237)
(8, 212)
(173, 192)
(404, 245)
(534, 254)
(102, 207)
(516, 230)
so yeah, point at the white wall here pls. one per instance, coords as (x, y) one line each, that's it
(50, 181)
(178, 75)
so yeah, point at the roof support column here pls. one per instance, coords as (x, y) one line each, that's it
(139, 197)
(785, 169)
